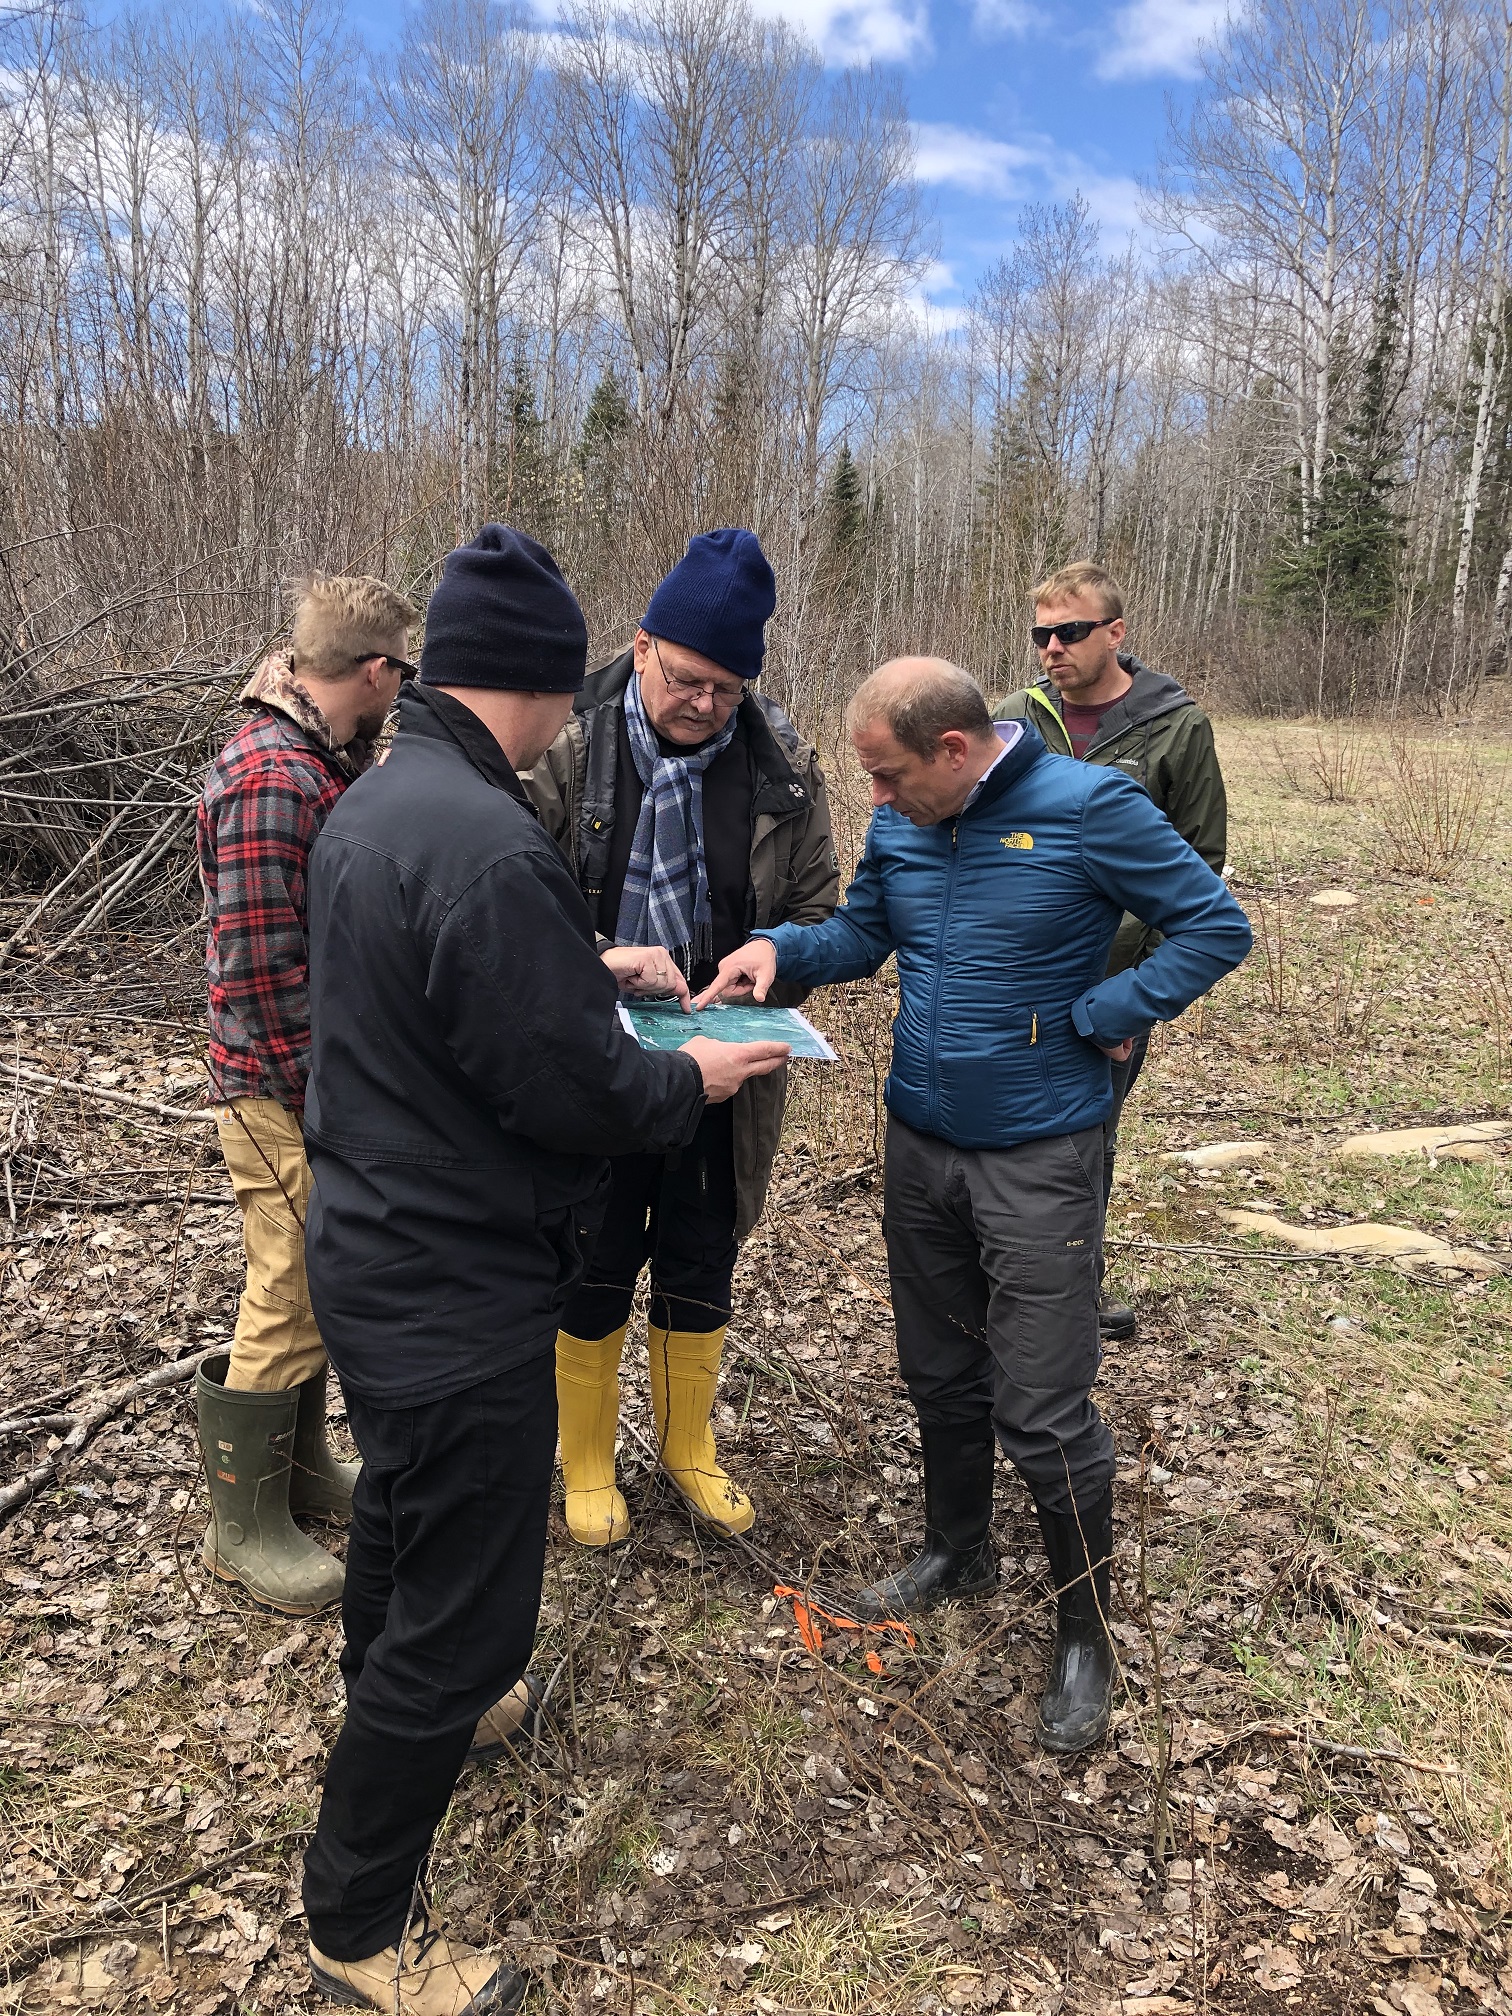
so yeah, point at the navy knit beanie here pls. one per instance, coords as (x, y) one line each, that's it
(502, 616)
(716, 601)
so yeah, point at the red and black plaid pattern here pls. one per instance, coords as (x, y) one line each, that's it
(267, 796)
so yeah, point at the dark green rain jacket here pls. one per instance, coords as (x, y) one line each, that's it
(1156, 733)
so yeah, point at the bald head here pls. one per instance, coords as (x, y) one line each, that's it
(923, 733)
(920, 699)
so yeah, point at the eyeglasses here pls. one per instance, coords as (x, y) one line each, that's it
(1068, 633)
(403, 665)
(693, 689)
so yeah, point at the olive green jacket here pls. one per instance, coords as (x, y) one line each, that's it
(1158, 734)
(795, 873)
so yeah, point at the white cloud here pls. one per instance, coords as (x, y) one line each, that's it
(1160, 38)
(858, 31)
(939, 317)
(961, 159)
(1032, 168)
(1113, 200)
(994, 19)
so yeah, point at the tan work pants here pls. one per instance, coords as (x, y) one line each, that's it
(276, 1345)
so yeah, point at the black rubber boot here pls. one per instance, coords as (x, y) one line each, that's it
(1116, 1319)
(1078, 1697)
(959, 1558)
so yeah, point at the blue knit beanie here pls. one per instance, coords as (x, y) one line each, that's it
(716, 601)
(502, 616)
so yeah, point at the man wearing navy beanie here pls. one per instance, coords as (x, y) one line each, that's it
(689, 808)
(470, 1076)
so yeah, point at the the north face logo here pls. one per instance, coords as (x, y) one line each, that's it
(1018, 840)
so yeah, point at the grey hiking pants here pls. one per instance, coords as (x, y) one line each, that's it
(994, 1257)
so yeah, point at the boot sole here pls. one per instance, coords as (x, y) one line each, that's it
(714, 1525)
(600, 1546)
(511, 1993)
(334, 1990)
(1048, 1741)
(235, 1581)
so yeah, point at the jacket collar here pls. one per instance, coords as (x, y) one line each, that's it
(425, 710)
(274, 686)
(1151, 695)
(1025, 752)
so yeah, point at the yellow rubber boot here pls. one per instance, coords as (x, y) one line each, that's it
(684, 1375)
(587, 1416)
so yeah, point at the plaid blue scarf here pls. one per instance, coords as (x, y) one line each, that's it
(666, 894)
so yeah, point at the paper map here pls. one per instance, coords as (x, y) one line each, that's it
(661, 1025)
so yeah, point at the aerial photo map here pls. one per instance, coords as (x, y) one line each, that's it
(661, 1025)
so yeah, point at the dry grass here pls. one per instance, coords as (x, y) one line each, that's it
(1318, 1453)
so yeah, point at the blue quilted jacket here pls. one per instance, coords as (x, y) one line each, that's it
(1002, 919)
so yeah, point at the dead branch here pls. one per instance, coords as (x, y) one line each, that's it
(92, 1417)
(43, 1941)
(103, 1092)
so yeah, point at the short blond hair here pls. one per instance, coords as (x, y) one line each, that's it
(340, 618)
(1082, 577)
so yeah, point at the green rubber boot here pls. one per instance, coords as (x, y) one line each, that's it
(246, 1440)
(320, 1485)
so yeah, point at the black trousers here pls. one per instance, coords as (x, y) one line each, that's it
(443, 1589)
(993, 1258)
(677, 1212)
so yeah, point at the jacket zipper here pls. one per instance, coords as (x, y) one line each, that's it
(939, 976)
(1096, 748)
(1045, 705)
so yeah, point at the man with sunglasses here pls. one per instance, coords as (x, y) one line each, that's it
(1097, 702)
(317, 707)
(691, 812)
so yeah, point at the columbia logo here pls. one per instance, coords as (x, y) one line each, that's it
(1018, 839)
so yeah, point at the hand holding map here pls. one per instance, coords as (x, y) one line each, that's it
(662, 1025)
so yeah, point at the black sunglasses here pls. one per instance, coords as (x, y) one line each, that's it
(406, 670)
(1068, 633)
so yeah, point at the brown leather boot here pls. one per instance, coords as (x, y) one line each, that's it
(512, 1724)
(430, 1976)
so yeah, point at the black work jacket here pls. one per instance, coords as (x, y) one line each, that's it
(469, 1072)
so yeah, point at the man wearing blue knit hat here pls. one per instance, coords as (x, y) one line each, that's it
(691, 812)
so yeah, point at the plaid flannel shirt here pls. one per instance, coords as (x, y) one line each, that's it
(267, 796)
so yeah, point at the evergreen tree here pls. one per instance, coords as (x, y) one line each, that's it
(1347, 562)
(527, 487)
(844, 507)
(600, 452)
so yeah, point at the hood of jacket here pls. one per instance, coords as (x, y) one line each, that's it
(275, 685)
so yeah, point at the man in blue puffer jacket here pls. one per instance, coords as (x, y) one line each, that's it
(998, 875)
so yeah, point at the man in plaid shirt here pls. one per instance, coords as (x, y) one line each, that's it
(317, 707)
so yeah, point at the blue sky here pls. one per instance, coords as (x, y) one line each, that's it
(1014, 102)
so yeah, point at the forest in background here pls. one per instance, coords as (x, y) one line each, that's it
(272, 301)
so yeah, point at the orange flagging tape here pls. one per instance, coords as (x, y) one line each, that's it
(805, 1610)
